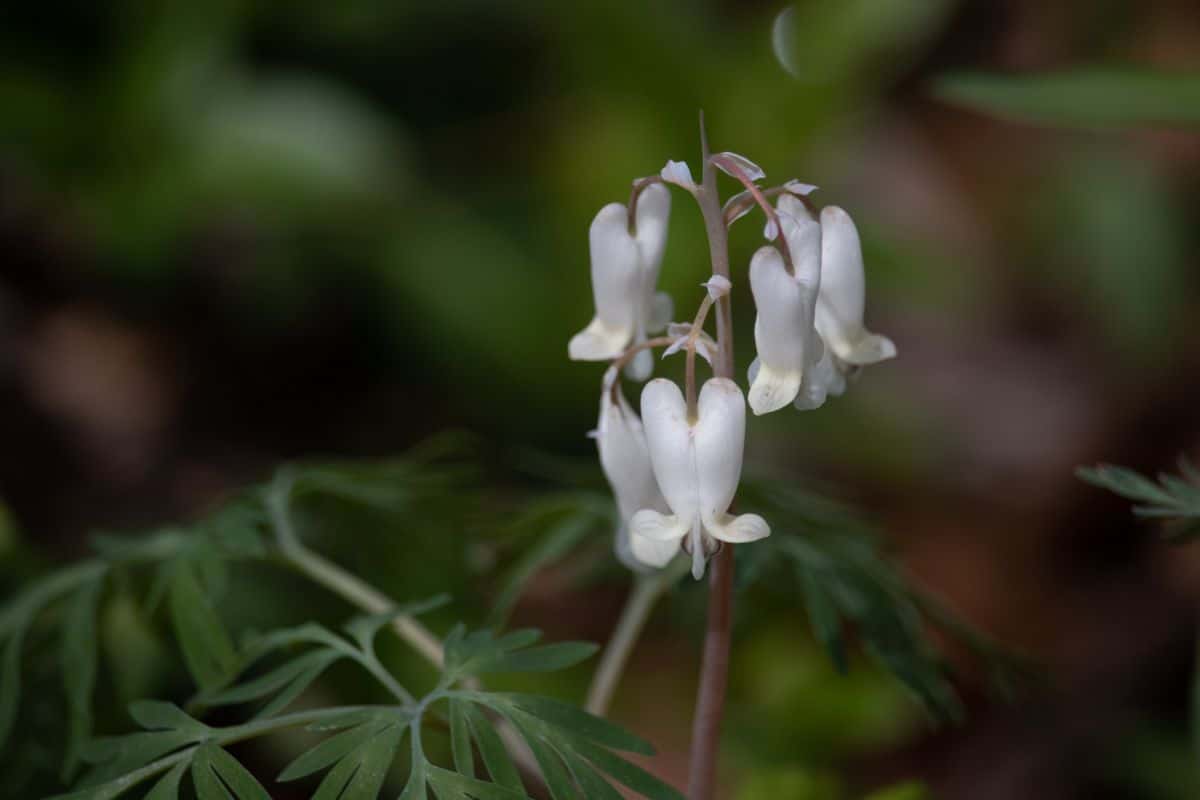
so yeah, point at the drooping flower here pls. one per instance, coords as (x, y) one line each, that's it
(625, 270)
(625, 460)
(697, 464)
(789, 349)
(840, 306)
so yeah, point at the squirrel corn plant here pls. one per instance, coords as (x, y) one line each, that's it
(675, 471)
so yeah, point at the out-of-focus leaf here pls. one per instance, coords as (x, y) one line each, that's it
(558, 540)
(242, 784)
(1085, 97)
(364, 629)
(156, 715)
(573, 720)
(1172, 498)
(79, 655)
(167, 787)
(292, 678)
(207, 649)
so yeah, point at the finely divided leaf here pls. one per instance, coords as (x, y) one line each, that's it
(495, 757)
(453, 786)
(460, 739)
(571, 720)
(156, 715)
(292, 678)
(361, 774)
(329, 752)
(167, 787)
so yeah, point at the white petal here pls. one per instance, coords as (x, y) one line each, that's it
(783, 332)
(796, 187)
(641, 366)
(803, 234)
(651, 552)
(739, 530)
(669, 440)
(598, 342)
(719, 436)
(839, 316)
(650, 224)
(624, 457)
(749, 168)
(648, 524)
(616, 284)
(678, 173)
(771, 390)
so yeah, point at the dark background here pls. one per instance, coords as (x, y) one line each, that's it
(234, 233)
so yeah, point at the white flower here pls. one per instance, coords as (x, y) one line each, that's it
(789, 350)
(839, 317)
(625, 460)
(624, 276)
(697, 464)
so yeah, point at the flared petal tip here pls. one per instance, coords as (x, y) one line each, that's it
(870, 348)
(771, 390)
(740, 530)
(597, 343)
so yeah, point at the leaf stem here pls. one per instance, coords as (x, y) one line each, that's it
(646, 591)
(339, 581)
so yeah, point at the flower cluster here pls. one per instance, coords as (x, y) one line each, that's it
(675, 469)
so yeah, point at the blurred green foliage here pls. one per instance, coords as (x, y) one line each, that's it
(1083, 97)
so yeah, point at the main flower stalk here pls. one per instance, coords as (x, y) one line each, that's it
(714, 668)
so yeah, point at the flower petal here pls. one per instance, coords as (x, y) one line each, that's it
(678, 173)
(839, 316)
(740, 529)
(669, 441)
(719, 435)
(616, 284)
(783, 332)
(649, 524)
(624, 456)
(651, 552)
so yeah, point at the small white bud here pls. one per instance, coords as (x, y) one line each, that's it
(678, 173)
(718, 286)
